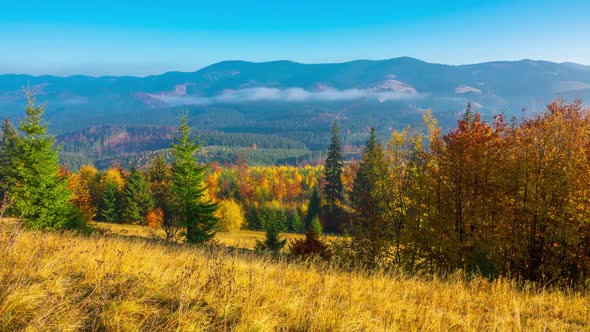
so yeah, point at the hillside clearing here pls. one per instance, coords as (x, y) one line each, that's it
(71, 282)
(243, 239)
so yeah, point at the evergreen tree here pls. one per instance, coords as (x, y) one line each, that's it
(371, 232)
(316, 226)
(296, 223)
(333, 189)
(7, 149)
(272, 241)
(110, 203)
(468, 115)
(192, 205)
(313, 208)
(138, 200)
(281, 220)
(272, 215)
(253, 218)
(40, 194)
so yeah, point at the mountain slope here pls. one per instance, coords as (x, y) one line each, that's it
(298, 101)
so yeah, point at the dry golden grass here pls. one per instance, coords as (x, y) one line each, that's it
(68, 282)
(243, 239)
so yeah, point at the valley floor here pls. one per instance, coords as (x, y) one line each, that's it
(68, 282)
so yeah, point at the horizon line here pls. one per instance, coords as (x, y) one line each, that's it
(295, 62)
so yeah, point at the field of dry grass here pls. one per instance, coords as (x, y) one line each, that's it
(243, 239)
(69, 282)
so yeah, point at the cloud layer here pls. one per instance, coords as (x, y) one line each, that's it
(286, 95)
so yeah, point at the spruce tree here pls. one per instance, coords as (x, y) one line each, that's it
(316, 226)
(281, 220)
(333, 188)
(7, 150)
(272, 241)
(296, 222)
(313, 208)
(371, 232)
(138, 200)
(40, 195)
(192, 205)
(110, 203)
(468, 115)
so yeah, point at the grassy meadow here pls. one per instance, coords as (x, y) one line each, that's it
(243, 239)
(70, 282)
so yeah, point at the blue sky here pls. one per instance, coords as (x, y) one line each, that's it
(127, 37)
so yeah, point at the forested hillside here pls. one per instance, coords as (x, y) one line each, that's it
(104, 145)
(500, 206)
(283, 99)
(502, 198)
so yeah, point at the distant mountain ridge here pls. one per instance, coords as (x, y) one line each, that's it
(240, 89)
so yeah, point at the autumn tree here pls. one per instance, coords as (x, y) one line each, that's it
(416, 189)
(84, 187)
(311, 246)
(402, 155)
(545, 221)
(231, 216)
(160, 182)
(468, 160)
(196, 212)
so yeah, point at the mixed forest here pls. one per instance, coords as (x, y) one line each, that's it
(502, 198)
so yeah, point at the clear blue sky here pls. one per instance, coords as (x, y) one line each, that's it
(149, 37)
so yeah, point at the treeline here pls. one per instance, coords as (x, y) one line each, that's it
(103, 144)
(259, 157)
(251, 197)
(207, 155)
(508, 199)
(498, 198)
(44, 196)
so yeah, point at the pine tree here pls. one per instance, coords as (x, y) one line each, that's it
(138, 200)
(296, 223)
(110, 203)
(333, 189)
(313, 208)
(192, 205)
(40, 195)
(371, 232)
